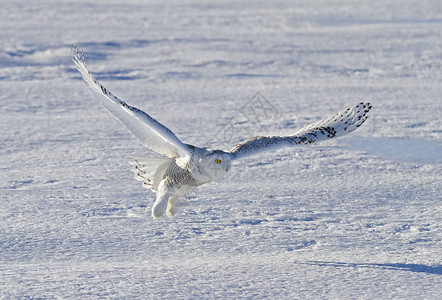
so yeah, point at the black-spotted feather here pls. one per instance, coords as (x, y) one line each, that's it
(336, 125)
(146, 129)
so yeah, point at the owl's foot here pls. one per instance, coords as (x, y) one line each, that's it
(164, 192)
(160, 206)
(173, 205)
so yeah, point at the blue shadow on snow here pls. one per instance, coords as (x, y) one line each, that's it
(397, 267)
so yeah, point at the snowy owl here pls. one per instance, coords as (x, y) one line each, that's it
(184, 166)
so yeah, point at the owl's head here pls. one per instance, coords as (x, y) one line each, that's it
(214, 164)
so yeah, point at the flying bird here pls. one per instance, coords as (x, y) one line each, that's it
(183, 166)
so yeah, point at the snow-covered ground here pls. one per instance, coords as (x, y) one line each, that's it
(356, 217)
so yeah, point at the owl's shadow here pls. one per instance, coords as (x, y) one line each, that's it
(420, 268)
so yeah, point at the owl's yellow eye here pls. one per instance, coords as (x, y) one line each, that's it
(217, 160)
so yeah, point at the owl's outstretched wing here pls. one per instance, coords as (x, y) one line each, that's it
(146, 129)
(337, 125)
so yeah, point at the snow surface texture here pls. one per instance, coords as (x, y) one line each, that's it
(357, 217)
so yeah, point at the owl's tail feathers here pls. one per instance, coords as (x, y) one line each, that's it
(150, 170)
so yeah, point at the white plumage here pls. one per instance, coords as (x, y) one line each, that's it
(184, 166)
